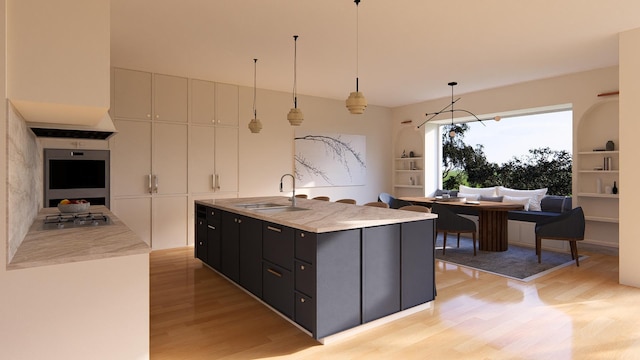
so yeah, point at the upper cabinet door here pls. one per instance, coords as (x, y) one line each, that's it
(132, 94)
(202, 102)
(170, 98)
(226, 104)
(131, 158)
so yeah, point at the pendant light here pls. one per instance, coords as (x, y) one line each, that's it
(450, 108)
(255, 125)
(295, 116)
(356, 102)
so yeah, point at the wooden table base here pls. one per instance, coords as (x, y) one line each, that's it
(493, 235)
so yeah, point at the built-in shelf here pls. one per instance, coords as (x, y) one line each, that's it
(409, 186)
(599, 171)
(409, 158)
(596, 195)
(602, 219)
(611, 152)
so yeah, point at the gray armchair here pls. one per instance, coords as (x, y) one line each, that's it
(569, 226)
(450, 222)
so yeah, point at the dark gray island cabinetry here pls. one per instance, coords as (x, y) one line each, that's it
(329, 267)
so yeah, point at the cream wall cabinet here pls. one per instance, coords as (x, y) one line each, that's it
(170, 98)
(131, 94)
(213, 161)
(143, 96)
(226, 105)
(177, 141)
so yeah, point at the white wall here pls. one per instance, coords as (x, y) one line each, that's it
(266, 156)
(629, 169)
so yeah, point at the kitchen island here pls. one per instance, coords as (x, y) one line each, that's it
(329, 268)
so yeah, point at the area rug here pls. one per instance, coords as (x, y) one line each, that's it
(519, 263)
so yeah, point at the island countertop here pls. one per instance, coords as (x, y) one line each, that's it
(321, 216)
(58, 246)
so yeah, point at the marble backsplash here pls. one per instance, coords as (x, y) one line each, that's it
(24, 180)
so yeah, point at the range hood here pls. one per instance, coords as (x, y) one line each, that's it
(66, 121)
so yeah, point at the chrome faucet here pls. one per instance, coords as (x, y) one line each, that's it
(293, 196)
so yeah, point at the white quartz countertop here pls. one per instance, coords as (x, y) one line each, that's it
(321, 216)
(58, 246)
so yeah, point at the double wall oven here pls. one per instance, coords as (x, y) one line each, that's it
(76, 174)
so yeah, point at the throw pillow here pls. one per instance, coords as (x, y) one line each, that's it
(490, 198)
(535, 196)
(471, 197)
(488, 191)
(524, 201)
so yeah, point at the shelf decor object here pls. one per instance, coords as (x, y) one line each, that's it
(356, 102)
(295, 116)
(255, 125)
(449, 108)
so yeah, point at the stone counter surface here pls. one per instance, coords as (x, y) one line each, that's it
(60, 246)
(322, 216)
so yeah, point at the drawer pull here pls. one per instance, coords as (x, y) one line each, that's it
(211, 227)
(302, 300)
(274, 272)
(200, 242)
(301, 267)
(274, 229)
(301, 234)
(200, 222)
(213, 212)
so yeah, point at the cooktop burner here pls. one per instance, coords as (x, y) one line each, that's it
(65, 221)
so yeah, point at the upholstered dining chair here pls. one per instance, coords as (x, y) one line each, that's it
(450, 222)
(346, 201)
(379, 204)
(392, 201)
(569, 226)
(323, 198)
(417, 208)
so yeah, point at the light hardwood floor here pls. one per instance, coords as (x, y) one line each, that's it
(572, 313)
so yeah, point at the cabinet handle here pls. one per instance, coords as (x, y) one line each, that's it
(217, 184)
(149, 116)
(213, 182)
(200, 242)
(274, 229)
(301, 234)
(200, 222)
(157, 116)
(213, 212)
(211, 227)
(302, 300)
(301, 267)
(150, 186)
(156, 183)
(274, 272)
(239, 221)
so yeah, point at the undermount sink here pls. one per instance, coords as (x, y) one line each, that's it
(270, 207)
(280, 209)
(261, 206)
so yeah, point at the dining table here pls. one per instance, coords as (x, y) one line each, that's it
(493, 219)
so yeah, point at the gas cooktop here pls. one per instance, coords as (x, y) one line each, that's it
(75, 220)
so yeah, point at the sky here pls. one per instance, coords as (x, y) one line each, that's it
(514, 136)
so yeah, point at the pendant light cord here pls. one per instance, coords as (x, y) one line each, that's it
(255, 112)
(295, 71)
(357, 42)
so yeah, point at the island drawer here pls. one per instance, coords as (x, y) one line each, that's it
(305, 308)
(213, 215)
(277, 288)
(305, 278)
(277, 244)
(306, 246)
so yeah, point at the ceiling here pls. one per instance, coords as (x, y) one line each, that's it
(407, 53)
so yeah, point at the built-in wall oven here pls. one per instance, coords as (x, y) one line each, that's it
(76, 174)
